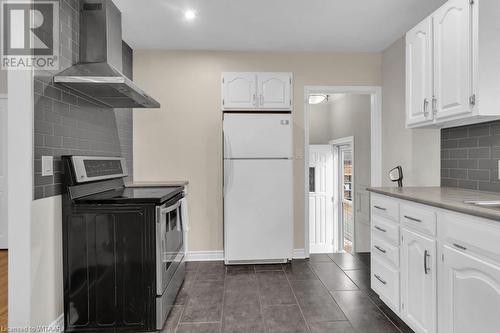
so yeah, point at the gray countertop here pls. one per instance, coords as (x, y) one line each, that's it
(446, 198)
(159, 183)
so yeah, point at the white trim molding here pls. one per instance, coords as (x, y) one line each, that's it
(57, 325)
(219, 255)
(376, 139)
(299, 254)
(205, 256)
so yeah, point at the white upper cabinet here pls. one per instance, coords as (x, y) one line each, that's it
(419, 73)
(469, 293)
(239, 91)
(274, 90)
(453, 59)
(452, 66)
(418, 281)
(256, 91)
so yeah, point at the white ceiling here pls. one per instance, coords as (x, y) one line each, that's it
(271, 25)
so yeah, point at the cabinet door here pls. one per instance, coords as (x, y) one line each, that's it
(452, 59)
(418, 281)
(419, 74)
(469, 293)
(274, 90)
(239, 91)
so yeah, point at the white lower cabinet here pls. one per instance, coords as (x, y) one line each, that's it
(469, 292)
(446, 278)
(418, 281)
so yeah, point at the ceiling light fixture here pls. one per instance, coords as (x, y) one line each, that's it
(317, 98)
(189, 15)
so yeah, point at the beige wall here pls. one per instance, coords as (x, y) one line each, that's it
(3, 82)
(183, 140)
(417, 151)
(46, 261)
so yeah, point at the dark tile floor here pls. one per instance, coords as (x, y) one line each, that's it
(326, 293)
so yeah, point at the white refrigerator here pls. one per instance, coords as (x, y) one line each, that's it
(258, 188)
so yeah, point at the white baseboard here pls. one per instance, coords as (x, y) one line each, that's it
(57, 325)
(299, 254)
(219, 255)
(205, 256)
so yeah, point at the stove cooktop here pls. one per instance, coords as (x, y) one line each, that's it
(156, 195)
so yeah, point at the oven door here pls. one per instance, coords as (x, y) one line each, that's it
(169, 243)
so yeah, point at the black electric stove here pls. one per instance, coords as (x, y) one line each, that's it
(123, 248)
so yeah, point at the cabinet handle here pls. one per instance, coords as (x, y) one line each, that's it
(261, 99)
(380, 249)
(379, 228)
(426, 104)
(412, 218)
(458, 246)
(254, 99)
(380, 279)
(380, 208)
(426, 255)
(434, 104)
(472, 99)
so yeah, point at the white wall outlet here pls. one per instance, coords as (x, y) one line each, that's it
(47, 165)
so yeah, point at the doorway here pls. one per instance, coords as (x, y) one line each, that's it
(337, 203)
(3, 213)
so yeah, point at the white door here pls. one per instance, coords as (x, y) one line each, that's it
(469, 293)
(3, 173)
(419, 74)
(258, 136)
(321, 223)
(239, 91)
(418, 281)
(274, 90)
(452, 58)
(258, 210)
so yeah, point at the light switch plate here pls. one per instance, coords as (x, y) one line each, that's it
(47, 165)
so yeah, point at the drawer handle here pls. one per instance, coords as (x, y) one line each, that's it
(412, 219)
(426, 255)
(379, 228)
(380, 208)
(380, 249)
(380, 279)
(458, 246)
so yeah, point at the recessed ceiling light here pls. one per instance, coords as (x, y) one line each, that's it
(317, 98)
(189, 14)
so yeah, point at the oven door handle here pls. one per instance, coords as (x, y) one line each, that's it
(165, 210)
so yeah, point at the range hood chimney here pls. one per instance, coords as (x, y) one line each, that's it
(98, 75)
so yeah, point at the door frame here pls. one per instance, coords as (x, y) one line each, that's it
(3, 133)
(337, 176)
(376, 139)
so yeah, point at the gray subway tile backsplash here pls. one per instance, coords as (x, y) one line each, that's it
(469, 156)
(69, 124)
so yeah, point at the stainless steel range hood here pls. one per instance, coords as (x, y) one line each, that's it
(98, 75)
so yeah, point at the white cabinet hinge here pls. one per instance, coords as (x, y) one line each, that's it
(402, 239)
(290, 80)
(223, 101)
(442, 257)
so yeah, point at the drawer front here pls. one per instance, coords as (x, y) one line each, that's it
(419, 217)
(385, 229)
(385, 206)
(470, 233)
(384, 251)
(385, 282)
